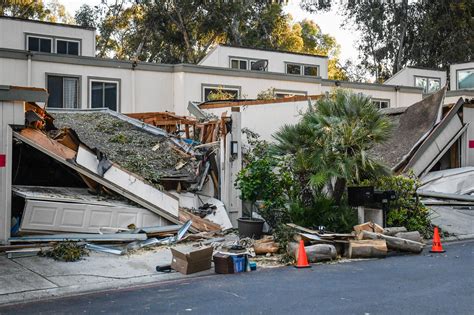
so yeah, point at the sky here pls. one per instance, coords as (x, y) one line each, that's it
(330, 23)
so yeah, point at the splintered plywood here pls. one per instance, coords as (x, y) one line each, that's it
(129, 182)
(48, 144)
(83, 218)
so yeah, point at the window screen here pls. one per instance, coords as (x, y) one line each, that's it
(67, 47)
(311, 71)
(466, 79)
(293, 68)
(207, 91)
(104, 94)
(63, 92)
(39, 44)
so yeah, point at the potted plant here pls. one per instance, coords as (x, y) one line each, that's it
(255, 183)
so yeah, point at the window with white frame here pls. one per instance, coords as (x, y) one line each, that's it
(214, 92)
(302, 69)
(67, 47)
(429, 85)
(465, 79)
(283, 93)
(39, 43)
(104, 93)
(248, 64)
(63, 91)
(381, 103)
(241, 64)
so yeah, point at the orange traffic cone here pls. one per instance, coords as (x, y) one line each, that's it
(436, 247)
(302, 261)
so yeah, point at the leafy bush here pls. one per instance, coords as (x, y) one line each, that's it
(337, 218)
(407, 210)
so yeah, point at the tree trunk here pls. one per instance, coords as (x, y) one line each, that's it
(315, 253)
(412, 236)
(394, 243)
(339, 188)
(367, 249)
(391, 231)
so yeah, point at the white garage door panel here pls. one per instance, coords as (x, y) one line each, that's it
(83, 218)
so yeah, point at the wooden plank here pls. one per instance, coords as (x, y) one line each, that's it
(48, 144)
(199, 224)
(303, 229)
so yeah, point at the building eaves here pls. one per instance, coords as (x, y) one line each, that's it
(25, 94)
(274, 50)
(371, 86)
(49, 23)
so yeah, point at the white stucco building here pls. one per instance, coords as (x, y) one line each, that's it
(61, 59)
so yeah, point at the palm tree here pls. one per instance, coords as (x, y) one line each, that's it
(332, 142)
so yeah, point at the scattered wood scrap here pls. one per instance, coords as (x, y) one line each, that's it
(368, 226)
(199, 223)
(266, 245)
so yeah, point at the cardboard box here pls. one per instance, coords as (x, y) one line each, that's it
(223, 263)
(191, 259)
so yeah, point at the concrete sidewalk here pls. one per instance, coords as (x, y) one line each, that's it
(32, 278)
(457, 221)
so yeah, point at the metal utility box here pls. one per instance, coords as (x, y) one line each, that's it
(359, 195)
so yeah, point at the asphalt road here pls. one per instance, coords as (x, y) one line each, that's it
(419, 284)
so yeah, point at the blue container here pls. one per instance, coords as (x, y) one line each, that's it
(253, 265)
(239, 263)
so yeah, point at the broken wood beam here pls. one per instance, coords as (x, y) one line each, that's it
(199, 223)
(394, 243)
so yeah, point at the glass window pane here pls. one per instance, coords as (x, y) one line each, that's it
(234, 64)
(422, 82)
(234, 93)
(243, 65)
(311, 71)
(70, 92)
(466, 79)
(97, 94)
(45, 45)
(110, 90)
(61, 47)
(55, 90)
(73, 48)
(433, 85)
(33, 43)
(293, 69)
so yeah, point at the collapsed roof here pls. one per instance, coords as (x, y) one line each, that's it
(411, 125)
(153, 157)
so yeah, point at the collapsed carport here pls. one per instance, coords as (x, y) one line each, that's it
(49, 164)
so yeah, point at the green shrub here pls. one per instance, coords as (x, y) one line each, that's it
(337, 218)
(407, 210)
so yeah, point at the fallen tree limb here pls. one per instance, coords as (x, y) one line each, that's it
(391, 231)
(367, 249)
(412, 236)
(393, 243)
(315, 253)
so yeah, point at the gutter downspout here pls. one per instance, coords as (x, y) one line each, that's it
(133, 87)
(28, 75)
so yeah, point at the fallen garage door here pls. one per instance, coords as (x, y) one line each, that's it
(74, 210)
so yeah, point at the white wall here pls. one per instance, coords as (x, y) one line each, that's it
(406, 76)
(250, 87)
(268, 118)
(13, 34)
(220, 57)
(153, 90)
(453, 73)
(396, 98)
